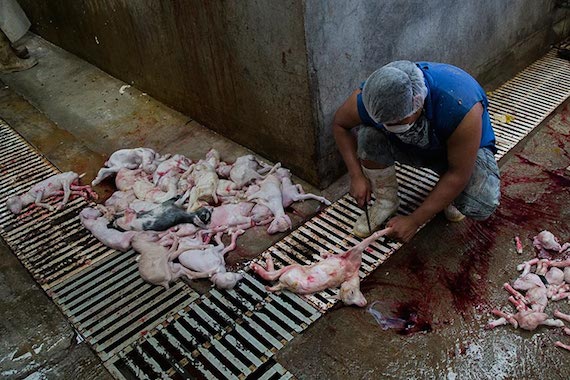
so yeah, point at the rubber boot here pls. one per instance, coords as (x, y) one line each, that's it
(21, 52)
(453, 214)
(9, 61)
(385, 188)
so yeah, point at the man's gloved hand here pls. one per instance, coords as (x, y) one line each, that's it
(403, 228)
(360, 190)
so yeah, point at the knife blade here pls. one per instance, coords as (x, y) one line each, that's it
(367, 217)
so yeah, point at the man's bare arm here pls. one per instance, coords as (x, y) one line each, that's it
(462, 147)
(346, 118)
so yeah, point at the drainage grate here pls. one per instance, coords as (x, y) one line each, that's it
(111, 306)
(145, 332)
(52, 246)
(224, 335)
(530, 97)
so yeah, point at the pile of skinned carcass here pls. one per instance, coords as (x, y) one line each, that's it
(544, 278)
(171, 210)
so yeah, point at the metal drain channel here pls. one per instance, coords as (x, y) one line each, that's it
(144, 332)
(50, 245)
(530, 97)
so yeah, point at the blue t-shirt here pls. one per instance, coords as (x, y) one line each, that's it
(451, 95)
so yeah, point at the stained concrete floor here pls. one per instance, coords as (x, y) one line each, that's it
(450, 275)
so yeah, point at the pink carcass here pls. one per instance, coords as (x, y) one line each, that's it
(247, 169)
(65, 184)
(156, 262)
(127, 178)
(236, 215)
(565, 317)
(335, 270)
(137, 158)
(292, 193)
(99, 227)
(175, 166)
(269, 195)
(211, 262)
(549, 246)
(525, 319)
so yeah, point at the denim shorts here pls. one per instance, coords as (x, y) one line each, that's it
(479, 198)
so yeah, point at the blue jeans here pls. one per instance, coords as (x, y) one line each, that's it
(479, 198)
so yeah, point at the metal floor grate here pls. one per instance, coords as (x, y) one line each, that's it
(144, 332)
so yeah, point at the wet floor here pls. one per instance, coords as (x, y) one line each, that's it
(446, 281)
(442, 285)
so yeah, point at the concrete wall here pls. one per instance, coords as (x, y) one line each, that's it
(347, 40)
(238, 67)
(270, 74)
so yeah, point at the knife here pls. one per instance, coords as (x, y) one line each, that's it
(367, 217)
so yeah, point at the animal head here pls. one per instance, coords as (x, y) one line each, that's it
(14, 204)
(89, 213)
(282, 173)
(226, 280)
(202, 217)
(350, 294)
(280, 224)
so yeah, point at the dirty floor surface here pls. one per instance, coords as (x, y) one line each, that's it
(450, 276)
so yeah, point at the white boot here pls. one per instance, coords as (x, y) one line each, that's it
(453, 214)
(385, 188)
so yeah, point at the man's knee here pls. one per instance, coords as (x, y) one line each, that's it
(482, 205)
(483, 213)
(374, 147)
(483, 192)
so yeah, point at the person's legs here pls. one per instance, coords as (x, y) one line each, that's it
(375, 153)
(9, 61)
(481, 196)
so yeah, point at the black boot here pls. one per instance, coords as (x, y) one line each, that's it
(9, 61)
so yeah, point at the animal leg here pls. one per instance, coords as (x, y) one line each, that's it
(507, 316)
(182, 199)
(275, 288)
(192, 199)
(269, 262)
(38, 202)
(179, 270)
(560, 264)
(526, 266)
(520, 305)
(302, 197)
(66, 185)
(269, 275)
(562, 345)
(233, 244)
(102, 174)
(560, 296)
(498, 322)
(513, 291)
(86, 189)
(561, 315)
(553, 322)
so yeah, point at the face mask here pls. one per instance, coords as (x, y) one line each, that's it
(418, 135)
(400, 128)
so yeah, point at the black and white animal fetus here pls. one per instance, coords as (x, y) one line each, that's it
(161, 218)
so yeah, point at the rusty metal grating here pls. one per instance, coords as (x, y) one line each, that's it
(111, 306)
(144, 332)
(50, 245)
(223, 335)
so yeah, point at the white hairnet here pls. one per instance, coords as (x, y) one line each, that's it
(394, 92)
